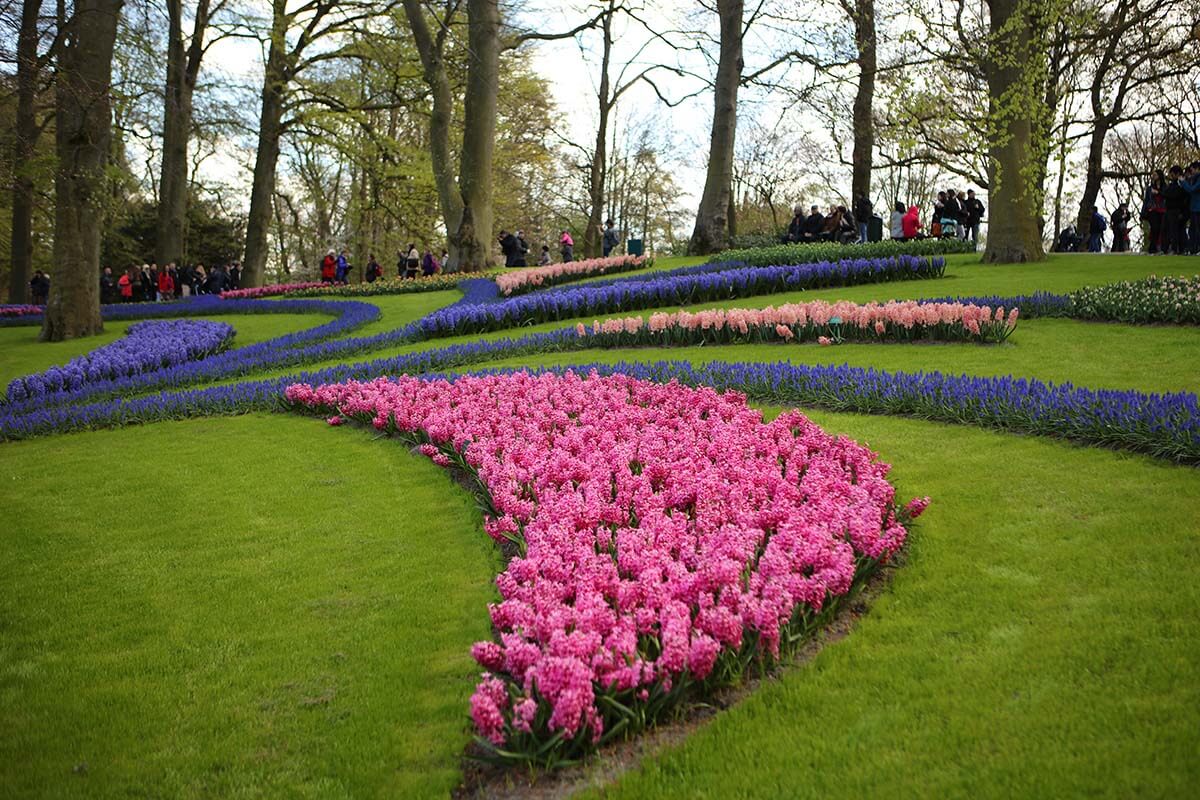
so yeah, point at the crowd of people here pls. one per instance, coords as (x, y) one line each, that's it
(1169, 216)
(150, 283)
(953, 214)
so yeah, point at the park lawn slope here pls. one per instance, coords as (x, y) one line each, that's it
(255, 607)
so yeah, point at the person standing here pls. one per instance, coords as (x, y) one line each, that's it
(374, 271)
(108, 286)
(1120, 225)
(199, 280)
(611, 238)
(125, 286)
(342, 268)
(1191, 184)
(568, 246)
(974, 209)
(429, 264)
(412, 261)
(1096, 229)
(951, 209)
(166, 285)
(1153, 211)
(235, 276)
(1177, 202)
(896, 223)
(39, 287)
(862, 214)
(329, 267)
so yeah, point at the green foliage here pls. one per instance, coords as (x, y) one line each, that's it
(212, 236)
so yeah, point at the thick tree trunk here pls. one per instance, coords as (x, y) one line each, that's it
(431, 51)
(25, 135)
(83, 130)
(864, 122)
(1013, 88)
(473, 238)
(598, 173)
(712, 219)
(183, 68)
(270, 128)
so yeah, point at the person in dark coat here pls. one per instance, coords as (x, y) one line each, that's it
(1154, 211)
(374, 271)
(795, 228)
(862, 213)
(39, 287)
(973, 208)
(1176, 202)
(1120, 225)
(235, 275)
(1096, 229)
(611, 238)
(814, 224)
(218, 280)
(511, 249)
(108, 286)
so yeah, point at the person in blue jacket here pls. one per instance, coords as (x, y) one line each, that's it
(1191, 182)
(1096, 231)
(343, 266)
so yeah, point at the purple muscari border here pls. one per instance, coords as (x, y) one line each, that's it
(1162, 425)
(146, 346)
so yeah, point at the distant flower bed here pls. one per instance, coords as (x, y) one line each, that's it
(818, 321)
(831, 251)
(270, 290)
(146, 346)
(676, 290)
(1171, 300)
(669, 539)
(19, 310)
(524, 280)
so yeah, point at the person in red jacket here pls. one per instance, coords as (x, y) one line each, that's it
(910, 224)
(329, 267)
(166, 285)
(125, 284)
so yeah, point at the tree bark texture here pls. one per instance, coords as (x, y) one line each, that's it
(711, 232)
(83, 132)
(1014, 91)
(183, 68)
(25, 135)
(598, 172)
(863, 16)
(473, 237)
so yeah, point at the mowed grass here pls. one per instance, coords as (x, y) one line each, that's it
(1042, 640)
(254, 607)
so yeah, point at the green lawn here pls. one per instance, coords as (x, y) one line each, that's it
(252, 607)
(265, 606)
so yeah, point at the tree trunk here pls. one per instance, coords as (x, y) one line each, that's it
(183, 68)
(1093, 176)
(473, 237)
(270, 128)
(433, 65)
(1013, 89)
(25, 135)
(599, 167)
(864, 122)
(83, 131)
(712, 219)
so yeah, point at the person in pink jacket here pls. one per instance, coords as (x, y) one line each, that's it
(568, 247)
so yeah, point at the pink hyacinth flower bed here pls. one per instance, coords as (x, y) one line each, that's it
(817, 321)
(525, 280)
(669, 539)
(272, 290)
(20, 311)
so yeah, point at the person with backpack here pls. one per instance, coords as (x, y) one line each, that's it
(1096, 229)
(374, 271)
(329, 267)
(412, 261)
(611, 238)
(429, 264)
